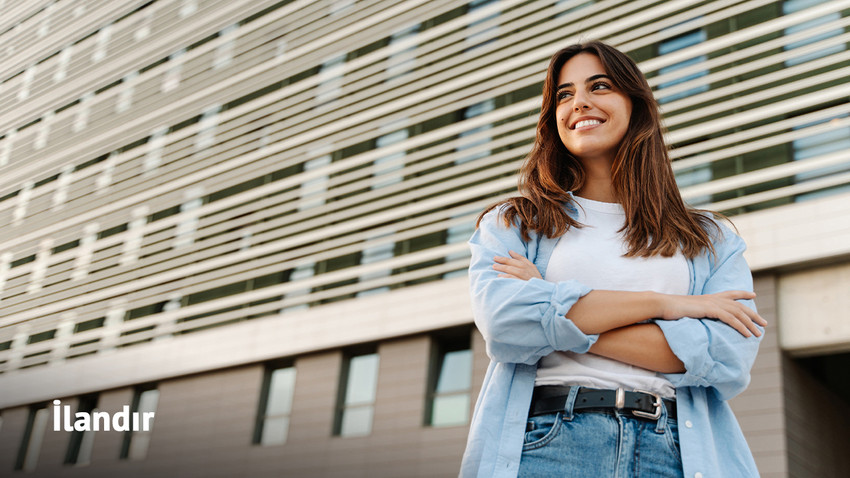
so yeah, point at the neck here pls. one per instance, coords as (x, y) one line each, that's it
(598, 185)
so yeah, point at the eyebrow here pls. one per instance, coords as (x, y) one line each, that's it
(592, 78)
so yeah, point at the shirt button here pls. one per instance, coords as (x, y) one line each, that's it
(698, 475)
(690, 425)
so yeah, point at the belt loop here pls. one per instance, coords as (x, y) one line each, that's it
(661, 424)
(571, 400)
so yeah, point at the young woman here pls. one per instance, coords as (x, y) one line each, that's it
(618, 321)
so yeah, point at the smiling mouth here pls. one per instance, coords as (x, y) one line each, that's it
(582, 124)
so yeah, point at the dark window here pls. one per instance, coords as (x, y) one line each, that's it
(89, 324)
(449, 381)
(356, 400)
(41, 336)
(275, 405)
(80, 444)
(33, 435)
(136, 443)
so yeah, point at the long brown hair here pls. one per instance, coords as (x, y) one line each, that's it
(657, 220)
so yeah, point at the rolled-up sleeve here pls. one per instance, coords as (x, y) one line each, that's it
(521, 321)
(714, 354)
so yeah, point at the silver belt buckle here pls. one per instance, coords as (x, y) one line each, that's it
(657, 403)
(620, 399)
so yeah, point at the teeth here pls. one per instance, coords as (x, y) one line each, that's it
(586, 123)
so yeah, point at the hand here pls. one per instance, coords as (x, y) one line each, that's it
(722, 306)
(516, 267)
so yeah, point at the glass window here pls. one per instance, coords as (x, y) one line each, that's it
(136, 443)
(330, 80)
(314, 190)
(33, 435)
(676, 43)
(703, 173)
(377, 253)
(694, 176)
(276, 406)
(301, 272)
(572, 9)
(450, 382)
(387, 168)
(359, 381)
(817, 31)
(821, 144)
(455, 234)
(81, 442)
(401, 60)
(472, 111)
(476, 37)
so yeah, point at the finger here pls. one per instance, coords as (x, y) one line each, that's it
(506, 260)
(751, 314)
(756, 317)
(748, 322)
(738, 294)
(518, 256)
(753, 319)
(730, 320)
(508, 276)
(514, 271)
(741, 321)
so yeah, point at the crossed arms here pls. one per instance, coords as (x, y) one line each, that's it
(703, 340)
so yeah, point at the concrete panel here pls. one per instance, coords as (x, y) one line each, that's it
(814, 310)
(438, 304)
(796, 233)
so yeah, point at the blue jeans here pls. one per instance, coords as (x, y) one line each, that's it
(600, 444)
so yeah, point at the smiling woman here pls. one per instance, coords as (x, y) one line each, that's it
(592, 117)
(611, 311)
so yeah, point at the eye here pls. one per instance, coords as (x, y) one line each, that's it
(600, 85)
(562, 94)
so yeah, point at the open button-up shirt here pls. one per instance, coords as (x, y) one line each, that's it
(522, 321)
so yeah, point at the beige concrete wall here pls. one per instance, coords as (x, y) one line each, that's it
(760, 408)
(205, 424)
(814, 310)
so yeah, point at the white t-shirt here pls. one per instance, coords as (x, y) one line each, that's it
(593, 255)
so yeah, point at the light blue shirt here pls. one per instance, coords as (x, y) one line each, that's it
(522, 321)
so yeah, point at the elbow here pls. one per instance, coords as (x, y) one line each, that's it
(732, 387)
(728, 379)
(512, 353)
(505, 343)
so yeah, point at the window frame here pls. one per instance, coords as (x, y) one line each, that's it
(342, 390)
(443, 343)
(262, 406)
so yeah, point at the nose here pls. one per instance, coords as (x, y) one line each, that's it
(580, 101)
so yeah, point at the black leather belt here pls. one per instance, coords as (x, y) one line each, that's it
(642, 404)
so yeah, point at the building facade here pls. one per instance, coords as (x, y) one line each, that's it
(250, 218)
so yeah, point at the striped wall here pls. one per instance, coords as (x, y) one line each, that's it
(168, 167)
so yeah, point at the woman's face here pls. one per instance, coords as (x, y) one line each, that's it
(592, 113)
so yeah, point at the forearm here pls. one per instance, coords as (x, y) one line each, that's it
(603, 310)
(642, 345)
